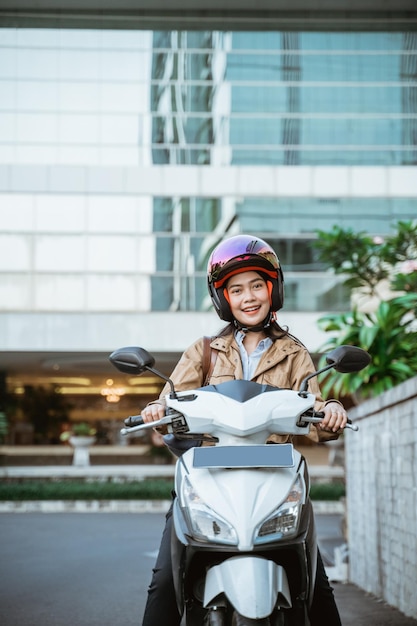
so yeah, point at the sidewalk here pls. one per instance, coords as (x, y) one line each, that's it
(358, 608)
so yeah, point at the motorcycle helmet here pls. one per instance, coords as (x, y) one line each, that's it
(243, 253)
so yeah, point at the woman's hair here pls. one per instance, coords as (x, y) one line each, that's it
(274, 331)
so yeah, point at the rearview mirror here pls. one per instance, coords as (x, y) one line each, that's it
(136, 361)
(346, 359)
(132, 360)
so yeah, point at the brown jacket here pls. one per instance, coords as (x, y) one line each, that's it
(285, 364)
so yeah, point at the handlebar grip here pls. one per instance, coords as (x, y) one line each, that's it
(321, 414)
(349, 423)
(134, 420)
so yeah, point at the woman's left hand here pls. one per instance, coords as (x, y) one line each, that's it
(335, 417)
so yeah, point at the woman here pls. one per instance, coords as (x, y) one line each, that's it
(245, 283)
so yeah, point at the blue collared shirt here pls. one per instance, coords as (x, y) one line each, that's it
(251, 361)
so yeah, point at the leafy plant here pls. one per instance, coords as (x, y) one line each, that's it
(367, 261)
(355, 255)
(387, 334)
(4, 427)
(406, 278)
(82, 429)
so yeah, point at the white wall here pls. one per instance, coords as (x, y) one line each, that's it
(381, 475)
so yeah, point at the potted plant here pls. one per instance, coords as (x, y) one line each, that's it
(81, 437)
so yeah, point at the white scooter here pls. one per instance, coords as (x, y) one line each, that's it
(244, 546)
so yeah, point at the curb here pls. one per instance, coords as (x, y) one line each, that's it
(123, 506)
(85, 506)
(323, 507)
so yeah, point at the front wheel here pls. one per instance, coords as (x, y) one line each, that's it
(278, 618)
(241, 620)
(224, 618)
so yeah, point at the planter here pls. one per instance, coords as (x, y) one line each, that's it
(81, 445)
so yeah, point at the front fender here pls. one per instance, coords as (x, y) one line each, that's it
(253, 585)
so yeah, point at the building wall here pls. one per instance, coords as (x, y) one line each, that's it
(381, 474)
(78, 245)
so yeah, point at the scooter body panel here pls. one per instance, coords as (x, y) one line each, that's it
(245, 497)
(208, 410)
(265, 584)
(284, 568)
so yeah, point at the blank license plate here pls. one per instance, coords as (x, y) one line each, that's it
(268, 455)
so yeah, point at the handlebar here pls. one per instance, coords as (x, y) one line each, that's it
(317, 416)
(134, 420)
(135, 423)
(137, 420)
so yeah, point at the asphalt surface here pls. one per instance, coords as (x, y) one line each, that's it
(61, 569)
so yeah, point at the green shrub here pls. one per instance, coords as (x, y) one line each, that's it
(78, 490)
(327, 491)
(155, 489)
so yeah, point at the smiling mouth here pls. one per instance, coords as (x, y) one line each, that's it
(251, 310)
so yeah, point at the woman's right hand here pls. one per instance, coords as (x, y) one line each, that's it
(153, 412)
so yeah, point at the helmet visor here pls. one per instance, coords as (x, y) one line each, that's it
(238, 253)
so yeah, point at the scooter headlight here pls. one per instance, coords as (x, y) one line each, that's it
(204, 523)
(283, 522)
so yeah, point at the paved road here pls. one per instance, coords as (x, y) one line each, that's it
(87, 569)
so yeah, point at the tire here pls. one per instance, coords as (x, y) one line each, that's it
(240, 620)
(215, 618)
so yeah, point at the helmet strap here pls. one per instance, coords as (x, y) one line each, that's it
(258, 328)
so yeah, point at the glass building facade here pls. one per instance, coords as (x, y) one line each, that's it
(286, 98)
(137, 97)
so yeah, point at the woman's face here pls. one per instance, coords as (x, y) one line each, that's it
(249, 298)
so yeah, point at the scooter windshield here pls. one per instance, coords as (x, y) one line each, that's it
(240, 390)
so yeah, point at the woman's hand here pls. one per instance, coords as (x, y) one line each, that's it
(153, 412)
(335, 417)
